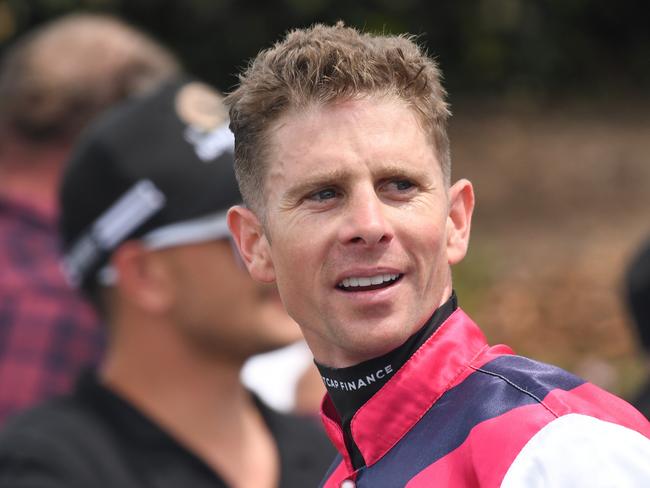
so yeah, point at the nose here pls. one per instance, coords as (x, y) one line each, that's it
(366, 221)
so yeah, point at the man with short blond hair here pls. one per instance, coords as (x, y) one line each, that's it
(343, 162)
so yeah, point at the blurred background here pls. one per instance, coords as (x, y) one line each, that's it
(551, 122)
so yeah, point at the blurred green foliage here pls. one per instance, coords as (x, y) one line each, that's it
(533, 48)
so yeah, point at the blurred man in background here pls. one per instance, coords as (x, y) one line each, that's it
(52, 82)
(144, 205)
(637, 287)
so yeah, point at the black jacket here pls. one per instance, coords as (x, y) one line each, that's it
(93, 438)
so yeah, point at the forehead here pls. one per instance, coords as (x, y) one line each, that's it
(380, 133)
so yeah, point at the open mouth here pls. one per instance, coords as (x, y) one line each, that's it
(368, 283)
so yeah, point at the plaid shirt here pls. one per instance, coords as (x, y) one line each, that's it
(47, 332)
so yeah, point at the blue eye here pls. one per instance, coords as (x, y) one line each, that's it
(326, 194)
(403, 185)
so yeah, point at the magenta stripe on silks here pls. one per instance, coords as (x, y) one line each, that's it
(488, 393)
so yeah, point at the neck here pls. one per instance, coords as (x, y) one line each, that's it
(170, 385)
(31, 172)
(198, 399)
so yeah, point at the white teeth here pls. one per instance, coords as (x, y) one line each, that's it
(377, 280)
(364, 282)
(367, 281)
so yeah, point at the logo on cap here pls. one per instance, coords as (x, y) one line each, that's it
(201, 108)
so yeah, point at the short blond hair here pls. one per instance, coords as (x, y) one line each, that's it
(325, 64)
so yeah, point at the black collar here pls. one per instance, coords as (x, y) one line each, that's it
(350, 388)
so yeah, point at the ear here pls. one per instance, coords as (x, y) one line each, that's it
(459, 220)
(143, 279)
(252, 243)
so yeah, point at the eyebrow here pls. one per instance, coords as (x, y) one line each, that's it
(337, 177)
(401, 171)
(319, 180)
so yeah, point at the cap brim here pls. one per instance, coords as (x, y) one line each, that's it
(209, 227)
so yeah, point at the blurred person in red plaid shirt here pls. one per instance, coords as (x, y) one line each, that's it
(53, 81)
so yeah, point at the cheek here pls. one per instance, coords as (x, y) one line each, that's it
(296, 277)
(438, 239)
(294, 259)
(425, 240)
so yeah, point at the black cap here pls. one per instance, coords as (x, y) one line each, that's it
(159, 168)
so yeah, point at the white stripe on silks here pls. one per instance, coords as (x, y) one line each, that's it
(577, 450)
